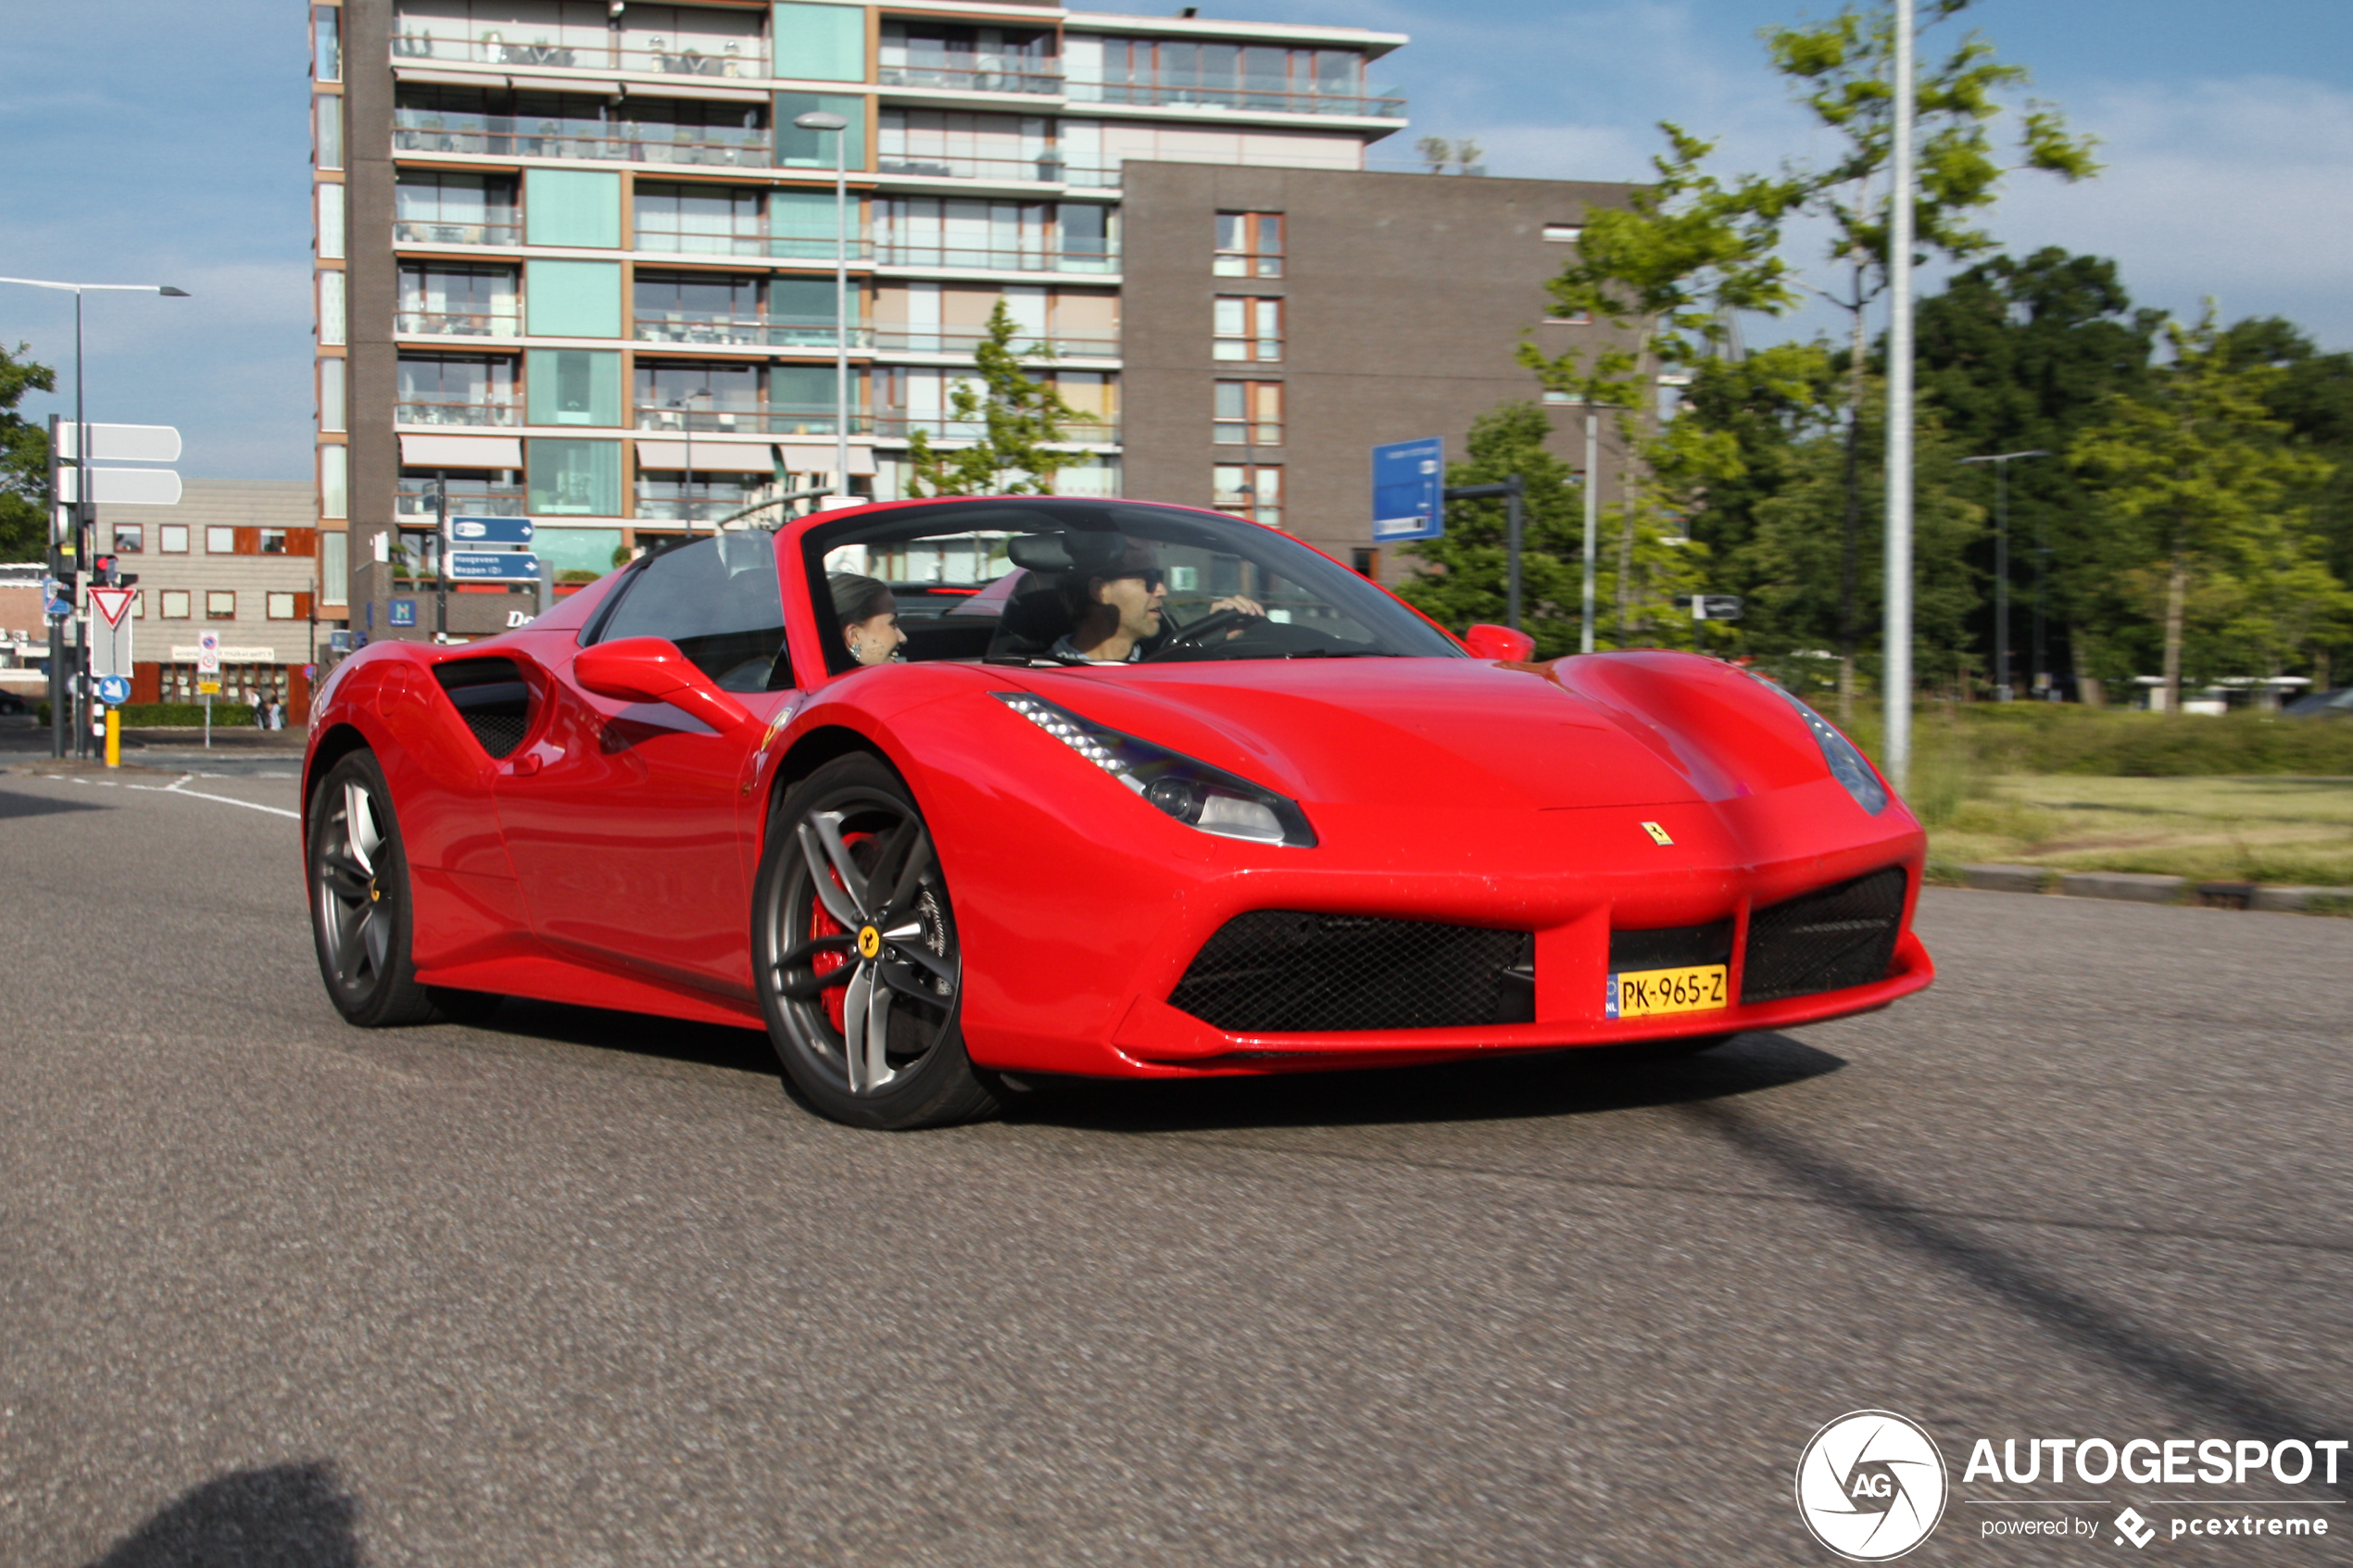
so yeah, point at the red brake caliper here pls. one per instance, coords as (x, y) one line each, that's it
(821, 923)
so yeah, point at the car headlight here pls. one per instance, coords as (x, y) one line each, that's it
(1194, 792)
(1847, 765)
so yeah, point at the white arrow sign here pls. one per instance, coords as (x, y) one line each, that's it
(121, 444)
(121, 487)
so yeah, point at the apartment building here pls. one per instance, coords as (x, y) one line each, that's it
(577, 261)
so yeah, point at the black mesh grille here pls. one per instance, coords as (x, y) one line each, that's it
(1825, 941)
(491, 696)
(1279, 971)
(499, 732)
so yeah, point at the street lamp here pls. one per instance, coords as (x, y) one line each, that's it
(819, 119)
(686, 421)
(85, 510)
(2001, 462)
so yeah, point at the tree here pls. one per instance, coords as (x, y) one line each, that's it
(2313, 396)
(24, 460)
(2020, 355)
(2199, 488)
(1843, 71)
(1021, 418)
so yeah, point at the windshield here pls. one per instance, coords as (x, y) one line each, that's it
(1061, 581)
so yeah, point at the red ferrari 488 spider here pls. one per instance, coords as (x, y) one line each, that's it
(937, 792)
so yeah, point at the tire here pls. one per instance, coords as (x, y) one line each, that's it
(361, 915)
(855, 954)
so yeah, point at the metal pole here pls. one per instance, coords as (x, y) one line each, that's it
(1896, 679)
(1512, 534)
(2001, 583)
(687, 500)
(2041, 673)
(841, 311)
(1592, 520)
(84, 511)
(441, 556)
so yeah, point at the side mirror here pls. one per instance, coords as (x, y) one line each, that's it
(1499, 642)
(653, 670)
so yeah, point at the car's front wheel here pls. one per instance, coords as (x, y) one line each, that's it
(856, 958)
(361, 913)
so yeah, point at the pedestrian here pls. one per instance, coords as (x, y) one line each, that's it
(277, 710)
(253, 695)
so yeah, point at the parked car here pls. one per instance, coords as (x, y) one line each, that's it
(2337, 704)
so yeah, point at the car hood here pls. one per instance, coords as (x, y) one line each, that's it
(1429, 733)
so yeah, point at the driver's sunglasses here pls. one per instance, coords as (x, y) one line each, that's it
(1151, 575)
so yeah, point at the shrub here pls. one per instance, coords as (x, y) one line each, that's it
(226, 715)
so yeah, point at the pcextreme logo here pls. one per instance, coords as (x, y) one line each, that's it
(1871, 1486)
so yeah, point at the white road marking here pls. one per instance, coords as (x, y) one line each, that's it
(174, 788)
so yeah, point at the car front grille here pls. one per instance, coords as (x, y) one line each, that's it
(1824, 941)
(1283, 971)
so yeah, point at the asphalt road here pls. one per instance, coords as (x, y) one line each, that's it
(586, 1288)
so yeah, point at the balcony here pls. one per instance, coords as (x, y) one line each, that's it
(658, 508)
(706, 58)
(414, 498)
(897, 425)
(412, 231)
(500, 412)
(1018, 257)
(417, 131)
(1377, 103)
(712, 329)
(456, 323)
(971, 79)
(772, 246)
(774, 419)
(1075, 344)
(1048, 169)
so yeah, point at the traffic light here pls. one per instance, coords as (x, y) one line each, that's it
(104, 570)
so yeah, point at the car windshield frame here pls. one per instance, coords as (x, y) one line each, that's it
(1332, 594)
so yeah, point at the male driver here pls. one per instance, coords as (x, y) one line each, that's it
(1117, 609)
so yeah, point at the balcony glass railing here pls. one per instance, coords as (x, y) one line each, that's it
(1063, 344)
(774, 419)
(414, 498)
(1013, 257)
(898, 425)
(422, 411)
(771, 245)
(719, 57)
(433, 232)
(422, 130)
(1048, 169)
(670, 508)
(1375, 103)
(980, 76)
(749, 332)
(456, 323)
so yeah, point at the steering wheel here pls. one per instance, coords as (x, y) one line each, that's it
(1216, 621)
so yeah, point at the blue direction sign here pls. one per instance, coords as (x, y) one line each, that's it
(468, 532)
(480, 566)
(114, 690)
(1409, 481)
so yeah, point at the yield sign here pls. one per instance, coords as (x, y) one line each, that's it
(112, 604)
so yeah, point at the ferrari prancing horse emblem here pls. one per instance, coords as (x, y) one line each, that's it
(1658, 835)
(869, 942)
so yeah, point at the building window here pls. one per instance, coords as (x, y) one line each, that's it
(138, 604)
(582, 478)
(1248, 329)
(334, 568)
(1554, 316)
(572, 206)
(219, 540)
(334, 483)
(281, 607)
(455, 390)
(573, 386)
(1567, 233)
(1249, 413)
(220, 603)
(1365, 562)
(331, 314)
(1249, 245)
(326, 45)
(273, 541)
(331, 221)
(174, 540)
(326, 111)
(439, 208)
(331, 404)
(130, 538)
(1251, 490)
(439, 299)
(175, 604)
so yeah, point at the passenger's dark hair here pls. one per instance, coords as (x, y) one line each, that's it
(857, 599)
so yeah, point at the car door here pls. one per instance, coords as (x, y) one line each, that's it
(624, 818)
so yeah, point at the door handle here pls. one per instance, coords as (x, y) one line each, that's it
(525, 766)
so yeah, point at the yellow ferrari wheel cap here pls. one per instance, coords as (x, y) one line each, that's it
(869, 942)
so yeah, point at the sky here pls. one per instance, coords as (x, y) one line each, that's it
(167, 142)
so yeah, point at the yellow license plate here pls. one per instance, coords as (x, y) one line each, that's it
(1645, 993)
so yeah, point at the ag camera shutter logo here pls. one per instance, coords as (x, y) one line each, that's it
(1871, 1485)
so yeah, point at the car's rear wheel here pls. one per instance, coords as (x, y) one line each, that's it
(856, 958)
(361, 913)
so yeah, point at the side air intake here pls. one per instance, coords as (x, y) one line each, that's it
(491, 695)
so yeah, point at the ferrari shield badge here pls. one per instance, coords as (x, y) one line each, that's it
(1658, 835)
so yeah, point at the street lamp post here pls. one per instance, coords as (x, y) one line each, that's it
(85, 511)
(2001, 462)
(819, 119)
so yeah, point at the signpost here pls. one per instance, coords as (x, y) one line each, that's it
(114, 690)
(491, 565)
(78, 489)
(471, 531)
(1409, 483)
(208, 677)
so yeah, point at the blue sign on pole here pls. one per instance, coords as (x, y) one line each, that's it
(1409, 483)
(466, 531)
(114, 690)
(403, 612)
(489, 566)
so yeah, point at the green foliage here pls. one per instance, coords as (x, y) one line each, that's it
(2313, 396)
(2201, 529)
(2052, 737)
(24, 460)
(1021, 418)
(228, 713)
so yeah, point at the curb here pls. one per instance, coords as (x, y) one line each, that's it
(2138, 887)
